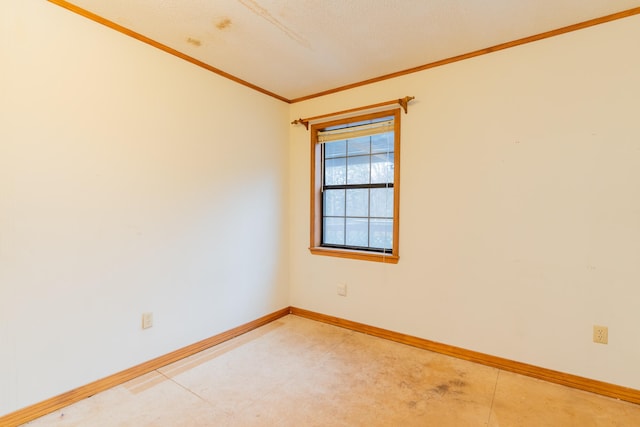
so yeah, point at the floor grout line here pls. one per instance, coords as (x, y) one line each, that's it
(493, 398)
(185, 388)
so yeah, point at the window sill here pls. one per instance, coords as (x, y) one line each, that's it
(361, 255)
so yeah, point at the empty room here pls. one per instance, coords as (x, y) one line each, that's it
(331, 213)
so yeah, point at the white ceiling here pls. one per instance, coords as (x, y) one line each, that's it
(298, 48)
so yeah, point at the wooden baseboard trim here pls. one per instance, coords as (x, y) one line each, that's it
(37, 410)
(586, 384)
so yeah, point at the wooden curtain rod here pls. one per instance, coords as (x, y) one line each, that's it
(404, 103)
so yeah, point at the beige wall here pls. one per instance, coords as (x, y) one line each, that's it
(520, 207)
(130, 181)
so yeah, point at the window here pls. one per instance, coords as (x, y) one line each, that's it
(355, 187)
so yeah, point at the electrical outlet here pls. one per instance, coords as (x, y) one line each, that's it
(601, 334)
(147, 320)
(342, 289)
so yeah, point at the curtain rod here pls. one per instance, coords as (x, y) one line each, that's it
(404, 103)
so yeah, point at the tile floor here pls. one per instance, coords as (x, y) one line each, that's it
(298, 372)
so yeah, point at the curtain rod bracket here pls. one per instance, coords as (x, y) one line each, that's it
(301, 121)
(404, 103)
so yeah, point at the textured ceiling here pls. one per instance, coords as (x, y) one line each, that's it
(298, 48)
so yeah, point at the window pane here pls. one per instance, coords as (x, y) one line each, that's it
(382, 143)
(358, 146)
(381, 203)
(335, 149)
(333, 231)
(381, 233)
(335, 171)
(358, 202)
(358, 170)
(333, 202)
(357, 232)
(382, 168)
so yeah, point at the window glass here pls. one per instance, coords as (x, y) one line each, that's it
(381, 232)
(357, 232)
(358, 170)
(336, 149)
(334, 203)
(333, 231)
(358, 146)
(381, 205)
(335, 171)
(357, 202)
(382, 168)
(381, 143)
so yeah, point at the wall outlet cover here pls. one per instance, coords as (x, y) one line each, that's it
(147, 320)
(342, 289)
(600, 334)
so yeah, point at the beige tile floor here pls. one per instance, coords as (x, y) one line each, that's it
(298, 372)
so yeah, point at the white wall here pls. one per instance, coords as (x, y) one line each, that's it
(130, 181)
(520, 207)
